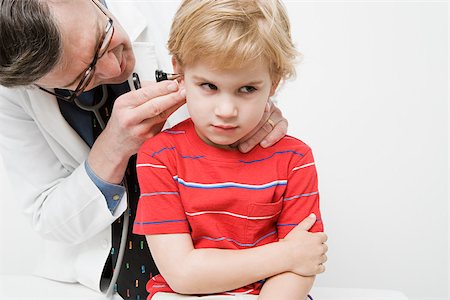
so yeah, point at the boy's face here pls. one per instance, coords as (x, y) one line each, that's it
(225, 105)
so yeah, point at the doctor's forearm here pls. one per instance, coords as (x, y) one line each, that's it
(107, 163)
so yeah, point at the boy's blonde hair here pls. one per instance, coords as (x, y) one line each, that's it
(233, 33)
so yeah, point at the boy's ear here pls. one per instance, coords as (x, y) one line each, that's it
(176, 65)
(177, 69)
(274, 87)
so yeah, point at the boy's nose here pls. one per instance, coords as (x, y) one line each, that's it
(226, 108)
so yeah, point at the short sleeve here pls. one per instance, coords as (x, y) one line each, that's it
(301, 197)
(159, 208)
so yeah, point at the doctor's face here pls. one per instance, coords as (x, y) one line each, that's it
(82, 24)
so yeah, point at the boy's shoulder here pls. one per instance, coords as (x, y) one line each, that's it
(289, 142)
(178, 130)
(289, 148)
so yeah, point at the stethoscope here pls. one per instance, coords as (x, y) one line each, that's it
(95, 108)
(134, 84)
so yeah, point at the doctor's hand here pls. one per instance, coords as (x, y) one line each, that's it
(307, 250)
(136, 116)
(272, 128)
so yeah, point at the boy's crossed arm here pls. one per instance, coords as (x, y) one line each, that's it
(206, 271)
(287, 286)
(292, 286)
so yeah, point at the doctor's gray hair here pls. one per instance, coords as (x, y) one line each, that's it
(30, 42)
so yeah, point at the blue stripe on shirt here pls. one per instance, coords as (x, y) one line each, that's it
(236, 242)
(159, 222)
(275, 153)
(225, 185)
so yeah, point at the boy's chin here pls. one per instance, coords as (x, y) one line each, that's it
(226, 144)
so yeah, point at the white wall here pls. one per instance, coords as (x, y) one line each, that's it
(371, 99)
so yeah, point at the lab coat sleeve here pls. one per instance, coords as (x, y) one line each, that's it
(57, 194)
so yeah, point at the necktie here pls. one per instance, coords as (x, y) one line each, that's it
(137, 265)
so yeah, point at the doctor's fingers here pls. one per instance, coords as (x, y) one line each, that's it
(152, 125)
(149, 91)
(274, 128)
(159, 108)
(320, 269)
(149, 121)
(324, 248)
(279, 130)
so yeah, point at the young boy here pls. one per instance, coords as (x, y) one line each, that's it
(199, 195)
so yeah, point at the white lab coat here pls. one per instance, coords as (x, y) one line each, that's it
(44, 159)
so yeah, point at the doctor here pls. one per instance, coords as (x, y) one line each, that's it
(71, 178)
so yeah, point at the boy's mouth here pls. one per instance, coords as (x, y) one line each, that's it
(224, 128)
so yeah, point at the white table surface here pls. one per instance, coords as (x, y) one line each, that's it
(26, 287)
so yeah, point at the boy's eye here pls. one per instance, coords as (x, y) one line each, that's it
(208, 86)
(247, 89)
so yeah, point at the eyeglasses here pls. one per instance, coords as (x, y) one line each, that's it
(88, 73)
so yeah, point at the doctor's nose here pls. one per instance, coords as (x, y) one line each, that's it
(108, 66)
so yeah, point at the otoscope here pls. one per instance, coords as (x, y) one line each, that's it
(160, 75)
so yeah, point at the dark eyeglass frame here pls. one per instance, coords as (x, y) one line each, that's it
(88, 73)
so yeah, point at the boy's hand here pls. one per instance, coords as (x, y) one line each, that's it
(308, 249)
(272, 128)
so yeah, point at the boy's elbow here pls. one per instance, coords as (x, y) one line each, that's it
(182, 283)
(186, 282)
(186, 277)
(181, 288)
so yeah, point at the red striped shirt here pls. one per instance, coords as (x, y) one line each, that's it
(223, 198)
